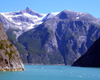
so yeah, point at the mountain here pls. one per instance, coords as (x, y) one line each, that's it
(68, 34)
(9, 56)
(91, 58)
(54, 38)
(41, 46)
(22, 20)
(16, 23)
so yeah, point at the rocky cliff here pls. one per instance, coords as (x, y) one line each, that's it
(91, 58)
(9, 56)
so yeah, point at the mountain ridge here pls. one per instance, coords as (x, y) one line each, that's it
(65, 35)
(67, 32)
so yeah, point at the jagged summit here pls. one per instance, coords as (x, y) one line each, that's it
(24, 20)
(28, 9)
(31, 12)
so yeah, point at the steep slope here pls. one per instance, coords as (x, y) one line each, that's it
(91, 58)
(20, 47)
(40, 47)
(68, 33)
(9, 56)
(12, 33)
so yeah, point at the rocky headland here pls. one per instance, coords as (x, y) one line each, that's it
(9, 56)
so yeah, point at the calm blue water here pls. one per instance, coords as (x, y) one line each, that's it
(47, 72)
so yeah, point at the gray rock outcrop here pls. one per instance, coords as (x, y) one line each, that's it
(9, 56)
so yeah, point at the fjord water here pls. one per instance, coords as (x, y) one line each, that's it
(48, 72)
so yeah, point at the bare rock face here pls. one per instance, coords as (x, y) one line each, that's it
(9, 56)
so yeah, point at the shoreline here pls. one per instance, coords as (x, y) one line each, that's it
(44, 64)
(18, 69)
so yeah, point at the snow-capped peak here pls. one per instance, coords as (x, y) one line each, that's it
(28, 9)
(24, 19)
(31, 12)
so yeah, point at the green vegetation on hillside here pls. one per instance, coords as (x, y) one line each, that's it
(4, 45)
(35, 41)
(20, 47)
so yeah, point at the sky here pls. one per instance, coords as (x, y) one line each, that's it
(46, 6)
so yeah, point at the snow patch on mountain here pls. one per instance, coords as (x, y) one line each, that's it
(50, 15)
(77, 17)
(22, 20)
